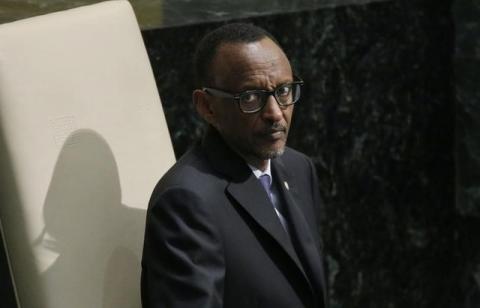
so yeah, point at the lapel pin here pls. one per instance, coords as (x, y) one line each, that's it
(286, 185)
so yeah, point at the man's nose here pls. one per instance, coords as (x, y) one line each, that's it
(272, 110)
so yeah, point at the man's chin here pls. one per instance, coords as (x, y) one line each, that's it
(271, 154)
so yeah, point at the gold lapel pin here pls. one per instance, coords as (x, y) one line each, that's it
(286, 185)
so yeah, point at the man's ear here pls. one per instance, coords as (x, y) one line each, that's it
(204, 106)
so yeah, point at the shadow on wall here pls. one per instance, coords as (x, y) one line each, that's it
(92, 240)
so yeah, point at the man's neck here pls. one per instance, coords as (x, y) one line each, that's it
(257, 163)
(258, 171)
(260, 164)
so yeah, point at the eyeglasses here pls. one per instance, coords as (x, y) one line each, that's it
(252, 101)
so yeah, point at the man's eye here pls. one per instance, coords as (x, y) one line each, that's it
(284, 90)
(249, 98)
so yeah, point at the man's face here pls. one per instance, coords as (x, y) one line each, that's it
(238, 67)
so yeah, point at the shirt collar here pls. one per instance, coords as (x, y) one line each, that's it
(258, 173)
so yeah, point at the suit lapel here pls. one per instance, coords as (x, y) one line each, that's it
(299, 228)
(245, 188)
(251, 196)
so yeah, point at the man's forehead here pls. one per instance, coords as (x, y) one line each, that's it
(248, 49)
(244, 60)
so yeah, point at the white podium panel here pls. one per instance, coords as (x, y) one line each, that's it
(83, 140)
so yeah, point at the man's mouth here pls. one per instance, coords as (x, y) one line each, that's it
(275, 132)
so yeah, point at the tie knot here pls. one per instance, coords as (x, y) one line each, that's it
(265, 180)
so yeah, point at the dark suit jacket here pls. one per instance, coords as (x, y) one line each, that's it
(213, 239)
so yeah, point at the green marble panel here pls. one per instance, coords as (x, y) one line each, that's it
(168, 13)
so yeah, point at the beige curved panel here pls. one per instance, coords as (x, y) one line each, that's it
(83, 140)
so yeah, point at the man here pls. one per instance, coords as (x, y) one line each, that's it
(234, 222)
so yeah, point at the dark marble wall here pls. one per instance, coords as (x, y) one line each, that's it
(378, 118)
(467, 73)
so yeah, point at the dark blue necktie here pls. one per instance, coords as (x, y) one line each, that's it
(265, 180)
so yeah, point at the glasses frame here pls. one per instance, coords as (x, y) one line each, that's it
(236, 96)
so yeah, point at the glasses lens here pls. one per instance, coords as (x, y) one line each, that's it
(284, 94)
(287, 94)
(251, 101)
(296, 93)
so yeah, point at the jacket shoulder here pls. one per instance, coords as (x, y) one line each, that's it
(191, 173)
(292, 158)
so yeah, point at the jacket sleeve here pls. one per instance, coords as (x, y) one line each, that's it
(320, 219)
(318, 203)
(183, 261)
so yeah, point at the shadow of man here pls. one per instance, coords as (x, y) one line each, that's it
(92, 241)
